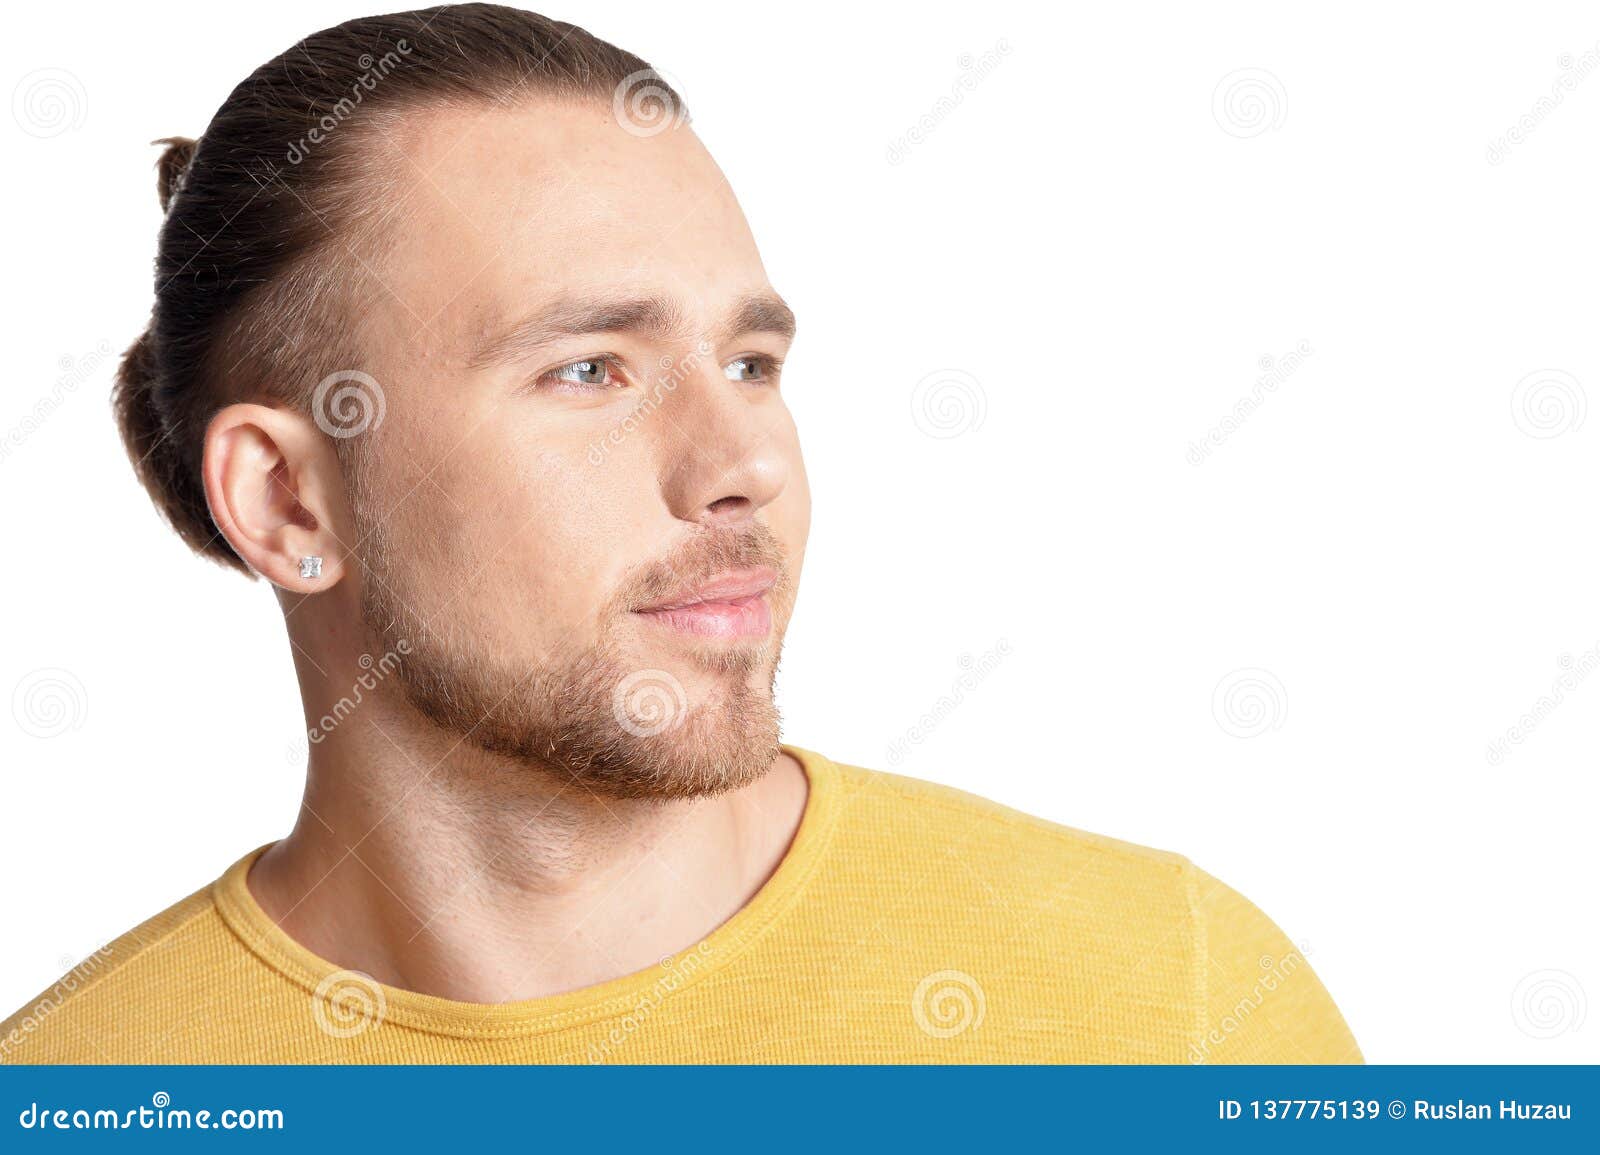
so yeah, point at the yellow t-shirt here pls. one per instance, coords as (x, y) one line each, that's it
(908, 923)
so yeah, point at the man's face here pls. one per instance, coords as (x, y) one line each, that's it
(584, 509)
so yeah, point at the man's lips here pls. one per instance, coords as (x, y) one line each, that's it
(730, 605)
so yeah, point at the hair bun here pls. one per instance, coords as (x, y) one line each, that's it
(173, 167)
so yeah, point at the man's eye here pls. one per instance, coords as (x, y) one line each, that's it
(750, 368)
(590, 373)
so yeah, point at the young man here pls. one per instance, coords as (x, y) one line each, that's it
(462, 342)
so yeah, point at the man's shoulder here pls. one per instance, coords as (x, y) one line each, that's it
(944, 813)
(82, 1017)
(1054, 911)
(911, 831)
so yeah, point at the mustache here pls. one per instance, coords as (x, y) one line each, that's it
(699, 558)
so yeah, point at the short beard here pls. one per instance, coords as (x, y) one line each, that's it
(595, 718)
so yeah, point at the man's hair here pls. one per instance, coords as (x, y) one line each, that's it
(264, 213)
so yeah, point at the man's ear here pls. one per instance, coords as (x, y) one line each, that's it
(277, 493)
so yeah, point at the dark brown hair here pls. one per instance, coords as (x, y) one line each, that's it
(265, 206)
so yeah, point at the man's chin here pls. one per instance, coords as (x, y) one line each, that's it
(661, 750)
(695, 723)
(636, 723)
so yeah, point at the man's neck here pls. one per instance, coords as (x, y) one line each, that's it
(467, 878)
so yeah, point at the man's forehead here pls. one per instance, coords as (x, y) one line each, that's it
(549, 167)
(502, 209)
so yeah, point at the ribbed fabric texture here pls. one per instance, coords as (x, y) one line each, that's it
(908, 923)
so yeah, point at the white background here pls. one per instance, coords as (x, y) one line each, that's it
(1403, 551)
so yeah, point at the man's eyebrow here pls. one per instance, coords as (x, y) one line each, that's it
(761, 313)
(657, 317)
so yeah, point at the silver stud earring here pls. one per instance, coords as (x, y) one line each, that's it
(311, 567)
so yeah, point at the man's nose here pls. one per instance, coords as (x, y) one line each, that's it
(725, 456)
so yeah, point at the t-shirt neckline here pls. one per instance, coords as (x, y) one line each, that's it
(327, 980)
